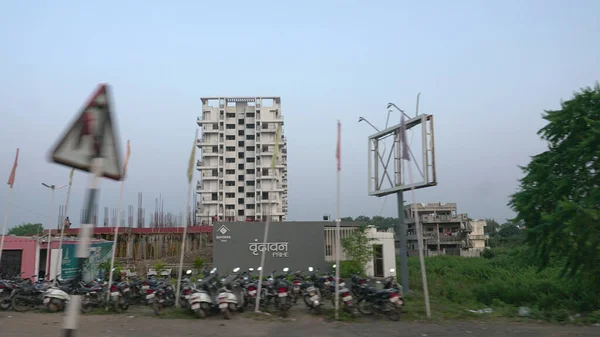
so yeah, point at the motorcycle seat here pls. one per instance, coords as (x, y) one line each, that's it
(374, 291)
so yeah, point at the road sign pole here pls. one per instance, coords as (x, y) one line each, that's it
(83, 252)
(83, 147)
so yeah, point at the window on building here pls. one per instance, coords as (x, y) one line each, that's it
(230, 137)
(230, 126)
(230, 160)
(240, 132)
(229, 171)
(229, 195)
(241, 143)
(250, 160)
(240, 201)
(230, 149)
(328, 250)
(250, 171)
(241, 189)
(240, 121)
(250, 137)
(249, 206)
(249, 126)
(249, 194)
(230, 183)
(240, 166)
(249, 148)
(240, 212)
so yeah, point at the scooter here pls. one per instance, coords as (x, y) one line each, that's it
(200, 301)
(228, 301)
(311, 295)
(56, 299)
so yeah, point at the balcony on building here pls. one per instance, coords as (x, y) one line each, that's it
(268, 128)
(200, 142)
(211, 128)
(203, 121)
(208, 152)
(211, 176)
(265, 152)
(204, 165)
(211, 200)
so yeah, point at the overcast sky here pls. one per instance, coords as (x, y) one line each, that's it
(486, 70)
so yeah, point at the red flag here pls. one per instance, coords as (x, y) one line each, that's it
(338, 152)
(11, 179)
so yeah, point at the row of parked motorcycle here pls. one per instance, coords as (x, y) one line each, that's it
(212, 293)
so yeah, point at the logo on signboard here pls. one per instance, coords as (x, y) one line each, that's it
(223, 230)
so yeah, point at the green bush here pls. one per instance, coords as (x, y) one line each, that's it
(347, 268)
(507, 279)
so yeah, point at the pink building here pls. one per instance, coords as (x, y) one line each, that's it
(29, 255)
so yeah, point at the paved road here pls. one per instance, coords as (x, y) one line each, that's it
(142, 324)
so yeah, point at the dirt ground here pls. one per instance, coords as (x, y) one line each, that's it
(140, 322)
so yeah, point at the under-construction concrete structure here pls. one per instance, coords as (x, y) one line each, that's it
(444, 230)
(159, 218)
(238, 144)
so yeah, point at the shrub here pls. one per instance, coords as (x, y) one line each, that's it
(509, 278)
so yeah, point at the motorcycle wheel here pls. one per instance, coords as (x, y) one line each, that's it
(20, 304)
(157, 307)
(86, 307)
(364, 307)
(5, 302)
(52, 307)
(200, 313)
(117, 307)
(283, 311)
(124, 305)
(393, 315)
(306, 298)
(227, 314)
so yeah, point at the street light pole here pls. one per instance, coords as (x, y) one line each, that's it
(52, 188)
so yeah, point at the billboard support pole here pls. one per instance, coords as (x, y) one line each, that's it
(338, 249)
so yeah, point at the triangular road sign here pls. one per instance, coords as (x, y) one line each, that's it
(91, 135)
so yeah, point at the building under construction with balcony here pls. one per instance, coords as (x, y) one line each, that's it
(444, 230)
(238, 144)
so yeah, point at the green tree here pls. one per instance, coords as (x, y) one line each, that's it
(559, 195)
(491, 226)
(358, 247)
(26, 229)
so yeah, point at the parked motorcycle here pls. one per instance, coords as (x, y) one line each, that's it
(28, 295)
(231, 295)
(56, 299)
(311, 294)
(283, 286)
(164, 296)
(201, 299)
(388, 301)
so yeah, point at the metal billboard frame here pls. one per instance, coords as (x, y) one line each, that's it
(397, 184)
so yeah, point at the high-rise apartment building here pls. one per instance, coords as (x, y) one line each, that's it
(237, 182)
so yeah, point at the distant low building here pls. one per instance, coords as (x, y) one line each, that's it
(445, 231)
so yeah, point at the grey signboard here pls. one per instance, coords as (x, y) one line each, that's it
(296, 245)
